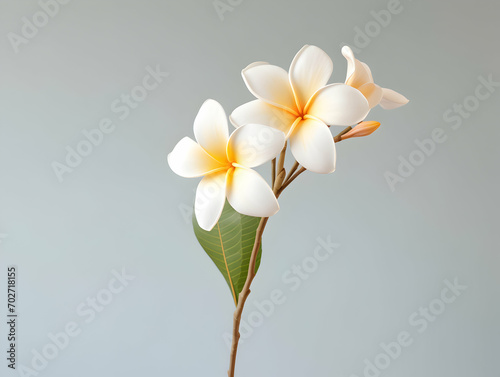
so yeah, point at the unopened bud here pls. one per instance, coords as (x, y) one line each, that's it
(362, 129)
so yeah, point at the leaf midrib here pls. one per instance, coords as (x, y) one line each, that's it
(225, 262)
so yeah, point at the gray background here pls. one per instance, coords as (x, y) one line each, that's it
(123, 207)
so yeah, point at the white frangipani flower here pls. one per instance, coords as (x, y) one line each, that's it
(225, 163)
(300, 104)
(359, 76)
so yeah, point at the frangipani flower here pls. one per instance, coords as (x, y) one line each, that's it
(359, 76)
(299, 104)
(225, 163)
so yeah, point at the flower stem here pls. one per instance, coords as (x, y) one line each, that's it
(242, 297)
(339, 136)
(281, 161)
(292, 170)
(279, 184)
(245, 292)
(291, 179)
(273, 171)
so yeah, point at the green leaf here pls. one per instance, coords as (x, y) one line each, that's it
(229, 244)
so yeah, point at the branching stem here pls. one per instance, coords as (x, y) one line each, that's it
(279, 184)
(292, 170)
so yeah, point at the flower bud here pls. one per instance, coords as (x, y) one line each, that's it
(362, 129)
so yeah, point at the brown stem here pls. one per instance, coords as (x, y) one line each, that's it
(291, 179)
(279, 184)
(273, 171)
(292, 170)
(279, 181)
(281, 162)
(338, 138)
(242, 297)
(245, 292)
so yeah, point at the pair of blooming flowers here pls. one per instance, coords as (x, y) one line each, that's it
(297, 106)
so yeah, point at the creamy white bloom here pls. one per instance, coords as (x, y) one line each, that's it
(300, 104)
(225, 163)
(359, 76)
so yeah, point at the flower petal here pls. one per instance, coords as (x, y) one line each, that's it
(313, 146)
(210, 199)
(255, 64)
(254, 144)
(358, 73)
(310, 70)
(210, 129)
(260, 112)
(372, 93)
(339, 105)
(270, 83)
(190, 160)
(391, 99)
(249, 194)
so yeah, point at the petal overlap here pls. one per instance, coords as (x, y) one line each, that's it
(249, 193)
(359, 76)
(339, 105)
(358, 73)
(372, 92)
(225, 163)
(189, 160)
(210, 199)
(310, 70)
(270, 83)
(254, 144)
(313, 146)
(260, 112)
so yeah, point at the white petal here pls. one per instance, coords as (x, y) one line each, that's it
(368, 71)
(391, 99)
(210, 199)
(255, 64)
(254, 144)
(372, 92)
(313, 146)
(358, 73)
(349, 55)
(339, 105)
(270, 83)
(249, 194)
(260, 112)
(210, 129)
(190, 160)
(310, 70)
